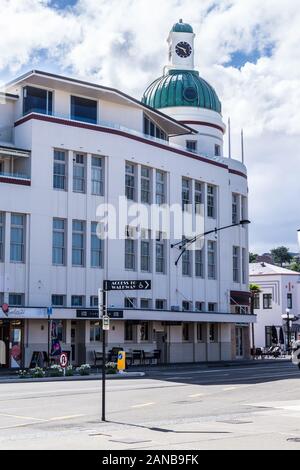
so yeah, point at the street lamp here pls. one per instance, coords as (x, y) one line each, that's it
(288, 318)
(186, 243)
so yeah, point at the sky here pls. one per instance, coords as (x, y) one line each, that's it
(249, 50)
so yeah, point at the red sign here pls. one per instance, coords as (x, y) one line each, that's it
(63, 360)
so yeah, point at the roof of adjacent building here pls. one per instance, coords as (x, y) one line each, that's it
(260, 269)
(182, 27)
(182, 88)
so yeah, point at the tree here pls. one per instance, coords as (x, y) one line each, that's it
(295, 266)
(252, 257)
(281, 255)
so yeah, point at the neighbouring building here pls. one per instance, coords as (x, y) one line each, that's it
(67, 146)
(279, 290)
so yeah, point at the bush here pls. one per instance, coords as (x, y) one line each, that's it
(36, 373)
(110, 368)
(84, 369)
(23, 374)
(69, 371)
(55, 371)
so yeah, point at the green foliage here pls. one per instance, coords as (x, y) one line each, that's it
(295, 266)
(252, 257)
(281, 255)
(254, 288)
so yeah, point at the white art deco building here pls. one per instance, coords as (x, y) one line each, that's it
(67, 146)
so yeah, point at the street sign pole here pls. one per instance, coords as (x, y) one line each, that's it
(102, 313)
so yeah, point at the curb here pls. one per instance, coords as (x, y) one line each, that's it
(124, 375)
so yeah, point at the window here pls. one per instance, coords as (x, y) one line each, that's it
(201, 332)
(128, 331)
(217, 150)
(211, 260)
(16, 300)
(244, 266)
(83, 109)
(78, 173)
(198, 196)
(58, 300)
(94, 301)
(244, 208)
(160, 304)
(60, 170)
(235, 208)
(152, 129)
(146, 304)
(97, 176)
(145, 252)
(185, 331)
(185, 194)
(59, 326)
(256, 301)
(186, 263)
(160, 254)
(58, 242)
(77, 301)
(130, 302)
(289, 300)
(130, 250)
(95, 331)
(199, 265)
(145, 185)
(2, 240)
(187, 306)
(211, 193)
(17, 236)
(78, 243)
(37, 100)
(191, 145)
(96, 247)
(199, 306)
(267, 301)
(213, 332)
(130, 181)
(236, 264)
(212, 307)
(160, 187)
(144, 331)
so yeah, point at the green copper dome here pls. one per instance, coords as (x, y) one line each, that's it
(182, 88)
(181, 27)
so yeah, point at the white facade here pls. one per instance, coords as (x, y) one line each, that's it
(280, 290)
(30, 205)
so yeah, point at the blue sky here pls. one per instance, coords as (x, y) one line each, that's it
(247, 49)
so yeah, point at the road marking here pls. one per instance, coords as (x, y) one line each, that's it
(226, 389)
(59, 418)
(196, 395)
(22, 417)
(143, 404)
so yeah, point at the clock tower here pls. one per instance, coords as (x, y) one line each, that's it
(181, 47)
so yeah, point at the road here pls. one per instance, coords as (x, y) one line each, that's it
(244, 407)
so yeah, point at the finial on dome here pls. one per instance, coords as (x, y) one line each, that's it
(181, 20)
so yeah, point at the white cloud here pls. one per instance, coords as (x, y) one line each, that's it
(123, 44)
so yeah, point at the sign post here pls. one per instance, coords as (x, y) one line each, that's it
(102, 308)
(49, 313)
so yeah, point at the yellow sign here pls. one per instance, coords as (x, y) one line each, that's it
(121, 364)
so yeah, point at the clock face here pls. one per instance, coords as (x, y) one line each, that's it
(183, 49)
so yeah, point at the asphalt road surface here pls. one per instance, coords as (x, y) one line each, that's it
(245, 407)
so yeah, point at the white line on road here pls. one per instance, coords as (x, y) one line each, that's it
(21, 417)
(142, 405)
(196, 395)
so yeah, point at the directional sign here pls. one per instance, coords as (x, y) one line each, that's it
(127, 285)
(63, 360)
